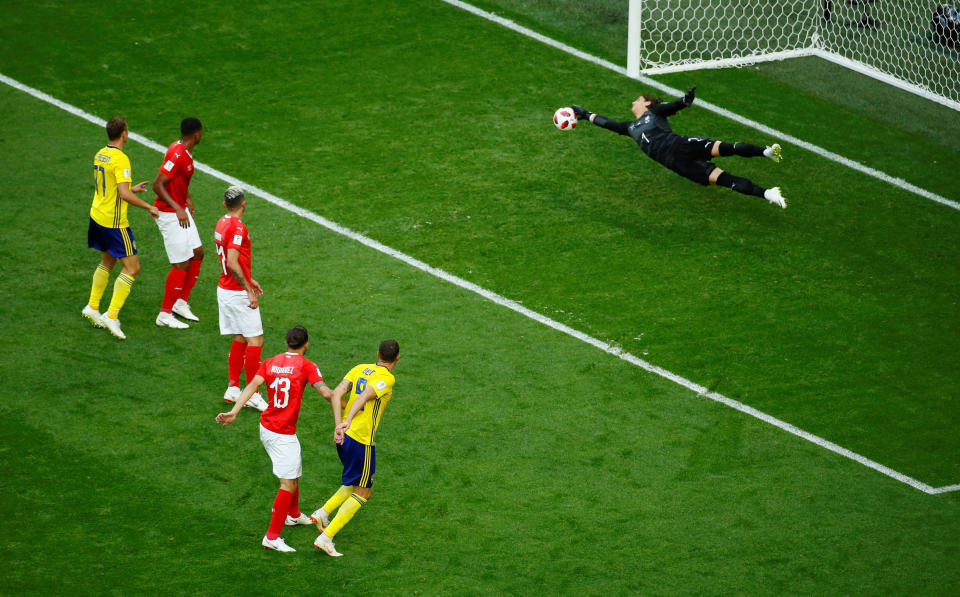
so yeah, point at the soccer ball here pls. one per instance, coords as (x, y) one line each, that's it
(565, 119)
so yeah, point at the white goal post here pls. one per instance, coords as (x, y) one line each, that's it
(895, 41)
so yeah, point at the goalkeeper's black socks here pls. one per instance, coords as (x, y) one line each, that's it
(740, 184)
(746, 150)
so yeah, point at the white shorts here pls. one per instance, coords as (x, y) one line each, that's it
(236, 316)
(179, 242)
(284, 452)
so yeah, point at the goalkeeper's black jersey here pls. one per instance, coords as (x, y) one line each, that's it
(652, 131)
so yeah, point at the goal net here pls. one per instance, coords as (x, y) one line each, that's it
(912, 44)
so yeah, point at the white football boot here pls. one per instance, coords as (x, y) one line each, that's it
(231, 395)
(168, 320)
(256, 401)
(773, 196)
(302, 519)
(277, 544)
(773, 152)
(320, 519)
(325, 544)
(93, 315)
(113, 325)
(182, 308)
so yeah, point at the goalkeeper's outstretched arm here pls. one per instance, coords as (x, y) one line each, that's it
(675, 106)
(602, 121)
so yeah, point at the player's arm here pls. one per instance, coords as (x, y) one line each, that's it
(229, 417)
(125, 192)
(676, 105)
(337, 403)
(602, 121)
(323, 390)
(358, 403)
(160, 188)
(251, 286)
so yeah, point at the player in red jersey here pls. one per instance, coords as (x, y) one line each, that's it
(238, 296)
(286, 375)
(179, 231)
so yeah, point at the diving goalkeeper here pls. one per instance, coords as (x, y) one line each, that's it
(687, 156)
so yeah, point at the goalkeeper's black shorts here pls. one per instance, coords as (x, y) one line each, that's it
(690, 159)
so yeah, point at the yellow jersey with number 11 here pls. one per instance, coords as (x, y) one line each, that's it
(110, 167)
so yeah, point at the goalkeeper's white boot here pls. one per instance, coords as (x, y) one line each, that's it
(93, 315)
(325, 544)
(773, 196)
(773, 152)
(302, 519)
(277, 544)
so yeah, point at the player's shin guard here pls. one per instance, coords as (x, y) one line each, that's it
(278, 516)
(336, 499)
(344, 514)
(745, 150)
(739, 184)
(121, 290)
(235, 362)
(193, 272)
(101, 276)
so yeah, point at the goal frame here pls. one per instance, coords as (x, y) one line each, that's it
(815, 48)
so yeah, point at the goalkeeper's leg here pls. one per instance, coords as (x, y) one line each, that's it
(747, 187)
(746, 150)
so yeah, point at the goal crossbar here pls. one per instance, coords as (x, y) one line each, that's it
(892, 44)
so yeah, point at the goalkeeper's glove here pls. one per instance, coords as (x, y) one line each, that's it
(689, 96)
(580, 112)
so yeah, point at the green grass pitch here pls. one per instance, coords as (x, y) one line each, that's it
(514, 459)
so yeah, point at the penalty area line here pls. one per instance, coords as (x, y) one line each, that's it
(779, 135)
(496, 298)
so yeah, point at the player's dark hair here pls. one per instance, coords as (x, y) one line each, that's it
(115, 127)
(652, 99)
(389, 351)
(297, 336)
(190, 126)
(233, 197)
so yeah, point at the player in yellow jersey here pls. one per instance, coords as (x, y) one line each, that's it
(370, 387)
(109, 230)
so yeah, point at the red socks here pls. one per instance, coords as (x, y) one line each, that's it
(193, 272)
(294, 510)
(251, 361)
(235, 363)
(172, 288)
(281, 505)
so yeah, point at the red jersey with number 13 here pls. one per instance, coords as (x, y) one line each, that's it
(178, 165)
(231, 233)
(286, 375)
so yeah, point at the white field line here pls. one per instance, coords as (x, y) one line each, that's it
(496, 298)
(780, 136)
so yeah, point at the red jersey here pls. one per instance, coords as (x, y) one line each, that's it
(178, 165)
(231, 233)
(286, 375)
